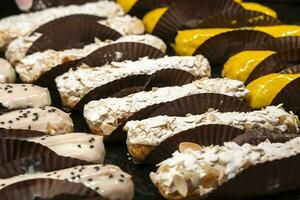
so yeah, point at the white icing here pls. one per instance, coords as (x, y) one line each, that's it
(24, 24)
(220, 163)
(153, 131)
(75, 84)
(75, 145)
(7, 72)
(108, 180)
(111, 112)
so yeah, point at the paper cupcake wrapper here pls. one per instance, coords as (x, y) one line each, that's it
(258, 136)
(18, 157)
(195, 104)
(219, 48)
(289, 96)
(282, 43)
(75, 31)
(141, 7)
(206, 135)
(275, 63)
(119, 52)
(48, 189)
(241, 18)
(262, 179)
(35, 5)
(183, 11)
(19, 134)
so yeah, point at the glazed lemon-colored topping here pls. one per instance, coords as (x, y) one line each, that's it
(264, 89)
(127, 4)
(259, 8)
(243, 63)
(151, 18)
(187, 41)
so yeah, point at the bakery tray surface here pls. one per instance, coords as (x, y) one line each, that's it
(117, 154)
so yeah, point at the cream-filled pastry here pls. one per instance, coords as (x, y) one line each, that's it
(7, 72)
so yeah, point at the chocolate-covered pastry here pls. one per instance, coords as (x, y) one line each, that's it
(149, 133)
(7, 72)
(17, 96)
(22, 25)
(105, 115)
(108, 180)
(77, 83)
(194, 172)
(45, 119)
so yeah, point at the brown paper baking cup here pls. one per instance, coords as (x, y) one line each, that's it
(119, 52)
(141, 7)
(275, 63)
(262, 179)
(201, 103)
(289, 96)
(257, 136)
(48, 78)
(19, 134)
(19, 157)
(184, 11)
(219, 48)
(164, 78)
(75, 31)
(291, 70)
(35, 5)
(233, 19)
(282, 43)
(48, 189)
(205, 135)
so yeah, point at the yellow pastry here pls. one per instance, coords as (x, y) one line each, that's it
(240, 65)
(187, 41)
(259, 8)
(264, 89)
(151, 18)
(127, 4)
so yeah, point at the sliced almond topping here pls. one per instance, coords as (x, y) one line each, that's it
(188, 145)
(181, 185)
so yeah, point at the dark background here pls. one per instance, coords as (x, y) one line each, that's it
(117, 154)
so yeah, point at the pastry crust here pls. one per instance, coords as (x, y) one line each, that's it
(138, 151)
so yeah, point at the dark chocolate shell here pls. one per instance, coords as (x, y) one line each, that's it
(48, 189)
(189, 10)
(219, 48)
(18, 157)
(141, 7)
(206, 135)
(194, 104)
(75, 31)
(119, 52)
(35, 5)
(275, 63)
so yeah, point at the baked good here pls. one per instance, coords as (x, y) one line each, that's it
(7, 72)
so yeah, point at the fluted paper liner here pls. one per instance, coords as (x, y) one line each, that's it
(262, 179)
(18, 157)
(48, 189)
(289, 96)
(141, 7)
(275, 63)
(194, 104)
(219, 48)
(184, 10)
(19, 134)
(282, 43)
(119, 52)
(43, 4)
(75, 31)
(206, 135)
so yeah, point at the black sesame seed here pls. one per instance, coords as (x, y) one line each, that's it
(90, 179)
(2, 123)
(122, 175)
(9, 91)
(29, 127)
(97, 188)
(92, 146)
(35, 114)
(25, 89)
(2, 185)
(110, 176)
(74, 177)
(54, 172)
(18, 119)
(97, 168)
(72, 173)
(10, 121)
(79, 146)
(58, 176)
(78, 176)
(48, 174)
(121, 180)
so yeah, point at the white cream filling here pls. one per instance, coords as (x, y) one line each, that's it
(153, 131)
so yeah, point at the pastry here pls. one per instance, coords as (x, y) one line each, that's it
(17, 96)
(108, 180)
(74, 84)
(22, 25)
(45, 119)
(105, 115)
(75, 145)
(143, 136)
(7, 72)
(194, 172)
